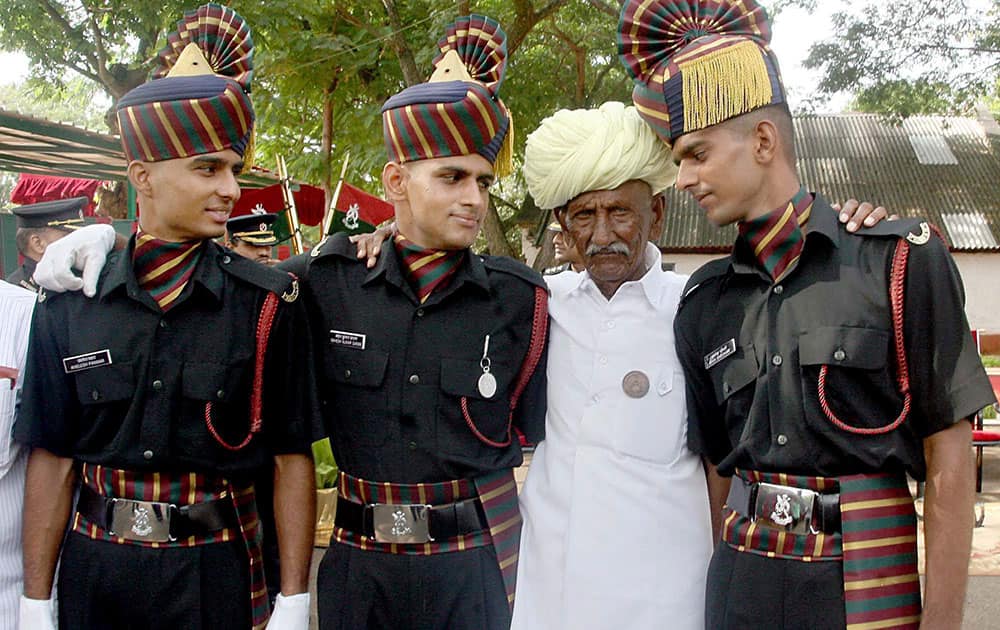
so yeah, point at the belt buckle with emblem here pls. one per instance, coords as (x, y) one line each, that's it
(146, 521)
(401, 523)
(786, 508)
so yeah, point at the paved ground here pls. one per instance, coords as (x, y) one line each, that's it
(982, 608)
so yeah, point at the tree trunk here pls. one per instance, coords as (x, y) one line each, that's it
(407, 63)
(493, 231)
(462, 7)
(326, 145)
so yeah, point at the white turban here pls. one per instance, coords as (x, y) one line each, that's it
(582, 150)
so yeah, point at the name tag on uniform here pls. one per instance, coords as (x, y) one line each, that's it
(346, 339)
(87, 361)
(720, 353)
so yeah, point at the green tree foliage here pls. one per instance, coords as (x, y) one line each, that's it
(73, 99)
(914, 56)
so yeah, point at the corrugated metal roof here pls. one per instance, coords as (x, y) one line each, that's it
(860, 156)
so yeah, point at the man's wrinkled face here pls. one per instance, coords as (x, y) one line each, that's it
(191, 198)
(610, 229)
(445, 201)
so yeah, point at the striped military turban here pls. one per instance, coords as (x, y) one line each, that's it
(697, 63)
(198, 99)
(458, 111)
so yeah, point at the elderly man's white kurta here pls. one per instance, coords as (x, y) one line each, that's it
(617, 532)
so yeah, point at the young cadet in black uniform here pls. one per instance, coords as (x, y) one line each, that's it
(821, 367)
(160, 398)
(38, 225)
(429, 359)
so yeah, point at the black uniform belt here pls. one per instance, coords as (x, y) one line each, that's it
(785, 508)
(152, 521)
(411, 523)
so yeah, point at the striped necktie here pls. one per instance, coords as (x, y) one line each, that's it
(777, 237)
(164, 268)
(427, 269)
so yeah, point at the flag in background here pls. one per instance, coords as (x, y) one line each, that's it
(309, 201)
(358, 212)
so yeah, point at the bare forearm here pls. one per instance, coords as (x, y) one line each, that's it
(48, 495)
(948, 524)
(295, 519)
(718, 490)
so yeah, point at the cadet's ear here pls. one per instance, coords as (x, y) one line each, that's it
(767, 141)
(394, 178)
(138, 174)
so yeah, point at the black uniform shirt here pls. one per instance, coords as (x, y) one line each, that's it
(395, 370)
(22, 276)
(752, 352)
(113, 380)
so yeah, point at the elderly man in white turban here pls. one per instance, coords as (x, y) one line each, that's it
(617, 531)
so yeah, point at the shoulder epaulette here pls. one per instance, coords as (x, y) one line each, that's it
(916, 231)
(259, 275)
(505, 264)
(705, 273)
(338, 244)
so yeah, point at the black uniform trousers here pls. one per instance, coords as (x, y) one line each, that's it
(788, 594)
(374, 590)
(110, 586)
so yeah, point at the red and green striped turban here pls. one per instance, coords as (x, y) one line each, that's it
(458, 111)
(198, 99)
(697, 63)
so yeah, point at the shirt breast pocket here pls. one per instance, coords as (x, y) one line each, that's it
(219, 392)
(356, 378)
(653, 427)
(104, 385)
(733, 381)
(845, 374)
(465, 414)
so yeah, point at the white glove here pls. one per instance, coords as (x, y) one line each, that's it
(85, 249)
(36, 614)
(290, 613)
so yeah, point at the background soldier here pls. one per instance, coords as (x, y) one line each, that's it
(252, 236)
(39, 224)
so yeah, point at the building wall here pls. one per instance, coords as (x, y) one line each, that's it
(979, 274)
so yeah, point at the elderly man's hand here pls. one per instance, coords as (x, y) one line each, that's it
(856, 214)
(370, 245)
(85, 249)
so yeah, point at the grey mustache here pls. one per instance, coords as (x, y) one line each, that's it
(613, 248)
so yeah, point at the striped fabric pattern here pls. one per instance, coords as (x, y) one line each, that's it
(744, 535)
(696, 64)
(427, 269)
(362, 491)
(882, 586)
(223, 37)
(189, 109)
(651, 32)
(174, 118)
(16, 306)
(164, 268)
(444, 118)
(498, 494)
(481, 44)
(777, 238)
(183, 489)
